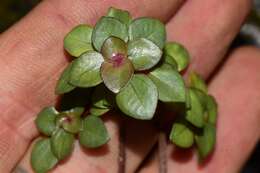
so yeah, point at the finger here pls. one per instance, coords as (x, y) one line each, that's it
(236, 88)
(206, 28)
(32, 58)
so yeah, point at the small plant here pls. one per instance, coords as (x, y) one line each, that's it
(128, 66)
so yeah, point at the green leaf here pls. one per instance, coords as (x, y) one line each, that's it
(170, 61)
(98, 111)
(209, 106)
(170, 84)
(121, 15)
(116, 73)
(94, 133)
(181, 135)
(179, 53)
(139, 98)
(78, 40)
(42, 158)
(196, 81)
(202, 97)
(195, 115)
(206, 141)
(143, 53)
(107, 27)
(85, 71)
(151, 29)
(102, 97)
(62, 144)
(212, 110)
(71, 120)
(112, 47)
(45, 120)
(63, 85)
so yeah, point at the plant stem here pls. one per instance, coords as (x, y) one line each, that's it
(162, 145)
(122, 153)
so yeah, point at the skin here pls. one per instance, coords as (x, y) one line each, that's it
(32, 58)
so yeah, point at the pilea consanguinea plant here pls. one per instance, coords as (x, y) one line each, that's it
(129, 67)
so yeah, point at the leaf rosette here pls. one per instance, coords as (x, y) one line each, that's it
(127, 64)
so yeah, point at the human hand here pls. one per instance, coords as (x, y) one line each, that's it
(32, 58)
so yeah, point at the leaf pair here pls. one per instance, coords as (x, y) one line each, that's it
(49, 120)
(47, 152)
(146, 39)
(61, 128)
(198, 124)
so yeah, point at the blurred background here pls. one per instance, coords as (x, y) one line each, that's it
(12, 10)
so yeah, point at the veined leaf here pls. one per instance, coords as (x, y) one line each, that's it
(107, 27)
(143, 53)
(94, 133)
(139, 98)
(85, 70)
(78, 40)
(42, 158)
(170, 84)
(151, 29)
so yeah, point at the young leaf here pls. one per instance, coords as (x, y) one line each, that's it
(151, 29)
(113, 46)
(195, 115)
(71, 120)
(121, 15)
(206, 141)
(45, 120)
(62, 144)
(139, 98)
(85, 71)
(102, 97)
(196, 81)
(107, 27)
(170, 85)
(117, 72)
(42, 158)
(78, 40)
(212, 110)
(179, 53)
(98, 111)
(143, 53)
(63, 85)
(181, 135)
(94, 133)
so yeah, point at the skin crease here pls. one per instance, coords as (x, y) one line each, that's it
(37, 53)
